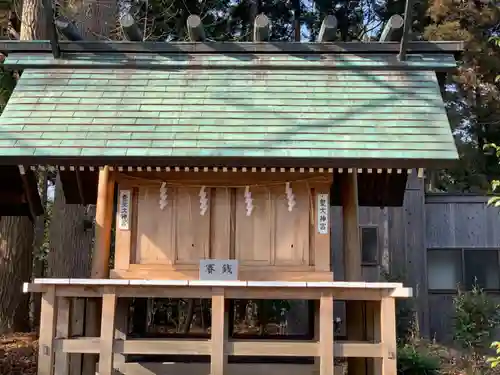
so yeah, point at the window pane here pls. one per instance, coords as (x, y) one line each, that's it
(369, 245)
(444, 269)
(481, 266)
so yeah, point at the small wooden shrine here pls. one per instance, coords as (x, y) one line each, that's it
(213, 167)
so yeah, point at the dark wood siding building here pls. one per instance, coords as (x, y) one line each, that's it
(435, 242)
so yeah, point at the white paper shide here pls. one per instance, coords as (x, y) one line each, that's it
(124, 210)
(323, 219)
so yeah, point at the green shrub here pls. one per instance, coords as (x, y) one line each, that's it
(476, 318)
(416, 361)
(495, 361)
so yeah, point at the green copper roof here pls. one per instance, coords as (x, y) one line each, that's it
(290, 112)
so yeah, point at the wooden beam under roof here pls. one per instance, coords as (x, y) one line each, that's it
(405, 38)
(48, 14)
(152, 62)
(28, 193)
(195, 28)
(420, 47)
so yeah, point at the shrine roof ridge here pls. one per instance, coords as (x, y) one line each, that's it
(105, 47)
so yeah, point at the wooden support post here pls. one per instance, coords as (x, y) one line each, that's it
(352, 263)
(351, 237)
(107, 332)
(48, 321)
(91, 329)
(328, 30)
(406, 35)
(261, 27)
(219, 333)
(130, 28)
(50, 27)
(28, 193)
(393, 29)
(121, 325)
(100, 256)
(195, 28)
(326, 334)
(103, 221)
(387, 324)
(62, 332)
(372, 312)
(77, 329)
(316, 335)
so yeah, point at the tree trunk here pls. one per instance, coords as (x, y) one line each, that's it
(70, 243)
(16, 233)
(32, 20)
(16, 249)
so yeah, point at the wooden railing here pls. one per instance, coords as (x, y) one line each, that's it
(55, 344)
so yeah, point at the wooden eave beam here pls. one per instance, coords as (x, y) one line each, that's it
(230, 162)
(48, 14)
(261, 28)
(41, 46)
(68, 29)
(80, 186)
(130, 28)
(392, 31)
(405, 38)
(328, 30)
(392, 63)
(195, 28)
(28, 193)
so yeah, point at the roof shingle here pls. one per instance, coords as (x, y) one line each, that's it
(283, 113)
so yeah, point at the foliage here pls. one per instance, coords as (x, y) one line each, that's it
(495, 361)
(472, 94)
(417, 361)
(476, 317)
(495, 184)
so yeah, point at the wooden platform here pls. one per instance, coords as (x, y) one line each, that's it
(56, 344)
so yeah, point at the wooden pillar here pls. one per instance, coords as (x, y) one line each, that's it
(350, 218)
(219, 333)
(48, 321)
(316, 334)
(77, 329)
(121, 330)
(62, 332)
(103, 221)
(326, 366)
(322, 258)
(373, 335)
(107, 332)
(387, 323)
(100, 256)
(355, 326)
